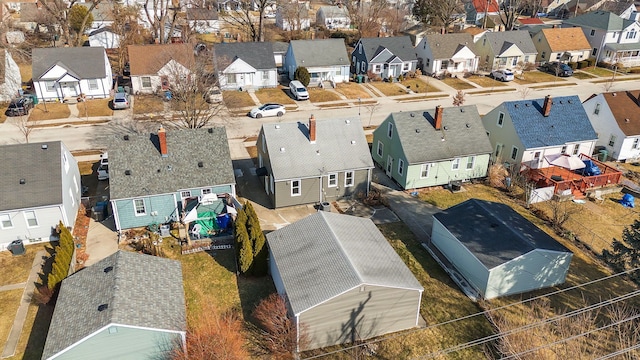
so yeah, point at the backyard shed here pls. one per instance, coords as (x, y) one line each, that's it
(342, 279)
(496, 250)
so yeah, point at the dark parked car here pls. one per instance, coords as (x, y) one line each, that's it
(556, 68)
(20, 106)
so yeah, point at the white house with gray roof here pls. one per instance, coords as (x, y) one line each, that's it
(432, 147)
(333, 17)
(342, 280)
(153, 176)
(312, 163)
(245, 65)
(39, 188)
(496, 250)
(447, 53)
(64, 72)
(326, 60)
(505, 49)
(127, 306)
(384, 56)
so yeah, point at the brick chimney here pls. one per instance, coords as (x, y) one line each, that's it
(546, 108)
(312, 129)
(162, 139)
(438, 118)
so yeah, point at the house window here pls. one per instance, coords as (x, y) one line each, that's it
(185, 194)
(380, 150)
(348, 178)
(635, 143)
(455, 164)
(390, 130)
(632, 34)
(471, 161)
(51, 86)
(500, 119)
(514, 62)
(360, 49)
(205, 191)
(499, 150)
(444, 64)
(558, 56)
(543, 55)
(265, 75)
(146, 82)
(139, 207)
(484, 41)
(363, 66)
(514, 152)
(406, 66)
(400, 166)
(428, 63)
(594, 51)
(597, 109)
(526, 59)
(295, 188)
(424, 171)
(231, 78)
(30, 217)
(332, 180)
(564, 149)
(377, 68)
(5, 221)
(592, 33)
(93, 84)
(576, 148)
(612, 140)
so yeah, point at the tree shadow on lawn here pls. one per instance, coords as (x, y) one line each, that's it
(252, 290)
(39, 331)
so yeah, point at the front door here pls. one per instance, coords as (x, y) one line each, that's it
(389, 165)
(68, 89)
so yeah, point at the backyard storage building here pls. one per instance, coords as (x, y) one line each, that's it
(496, 250)
(342, 279)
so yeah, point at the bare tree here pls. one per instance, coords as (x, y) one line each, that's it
(293, 14)
(58, 15)
(509, 13)
(160, 14)
(365, 16)
(524, 92)
(437, 12)
(392, 18)
(244, 20)
(372, 108)
(281, 336)
(458, 98)
(129, 30)
(25, 126)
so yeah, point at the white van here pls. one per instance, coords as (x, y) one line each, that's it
(298, 90)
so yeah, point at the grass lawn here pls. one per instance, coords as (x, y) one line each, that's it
(490, 91)
(9, 303)
(352, 90)
(34, 332)
(96, 107)
(143, 104)
(320, 95)
(53, 111)
(457, 84)
(418, 86)
(598, 71)
(237, 99)
(532, 77)
(25, 72)
(583, 75)
(388, 89)
(278, 95)
(342, 104)
(3, 108)
(485, 81)
(16, 268)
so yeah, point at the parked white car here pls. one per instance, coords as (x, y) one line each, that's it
(103, 168)
(267, 110)
(502, 75)
(298, 90)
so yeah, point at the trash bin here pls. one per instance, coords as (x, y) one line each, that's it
(165, 230)
(325, 206)
(360, 79)
(603, 154)
(16, 247)
(98, 212)
(34, 99)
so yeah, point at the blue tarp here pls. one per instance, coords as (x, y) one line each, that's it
(628, 201)
(590, 168)
(223, 221)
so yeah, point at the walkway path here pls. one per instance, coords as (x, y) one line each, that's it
(12, 287)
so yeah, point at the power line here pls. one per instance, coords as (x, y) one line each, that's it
(485, 312)
(619, 352)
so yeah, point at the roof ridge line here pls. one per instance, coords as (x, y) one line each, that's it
(342, 250)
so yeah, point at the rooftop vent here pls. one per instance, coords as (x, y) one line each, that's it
(515, 105)
(445, 127)
(158, 171)
(626, 120)
(281, 149)
(418, 131)
(353, 142)
(277, 126)
(467, 125)
(317, 152)
(412, 114)
(527, 104)
(200, 164)
(613, 94)
(210, 130)
(44, 146)
(570, 101)
(23, 181)
(126, 137)
(347, 121)
(127, 172)
(560, 101)
(461, 109)
(108, 269)
(494, 225)
(103, 307)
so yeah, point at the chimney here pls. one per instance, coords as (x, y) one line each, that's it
(162, 138)
(546, 108)
(312, 129)
(438, 118)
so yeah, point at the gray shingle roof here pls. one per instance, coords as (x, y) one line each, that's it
(604, 20)
(85, 62)
(325, 52)
(280, 47)
(567, 122)
(494, 233)
(201, 14)
(326, 254)
(501, 40)
(30, 162)
(161, 175)
(257, 54)
(292, 155)
(462, 129)
(399, 46)
(140, 290)
(444, 46)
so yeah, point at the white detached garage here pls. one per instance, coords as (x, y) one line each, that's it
(496, 250)
(342, 279)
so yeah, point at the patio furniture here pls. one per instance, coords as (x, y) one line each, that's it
(195, 231)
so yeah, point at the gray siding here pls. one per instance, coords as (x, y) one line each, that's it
(124, 344)
(373, 309)
(48, 217)
(311, 190)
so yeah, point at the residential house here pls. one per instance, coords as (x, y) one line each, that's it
(279, 52)
(475, 32)
(40, 188)
(496, 251)
(245, 65)
(10, 78)
(326, 60)
(432, 147)
(505, 49)
(153, 176)
(103, 15)
(477, 10)
(342, 280)
(417, 32)
(334, 17)
(154, 66)
(528, 22)
(384, 56)
(612, 38)
(624, 9)
(293, 16)
(60, 73)
(307, 164)
(125, 306)
(104, 37)
(229, 5)
(447, 53)
(615, 116)
(561, 44)
(203, 20)
(528, 131)
(33, 15)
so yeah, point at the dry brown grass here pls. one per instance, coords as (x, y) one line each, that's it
(321, 95)
(532, 77)
(86, 167)
(326, 106)
(352, 91)
(388, 89)
(53, 111)
(3, 109)
(457, 84)
(237, 99)
(419, 86)
(96, 107)
(25, 72)
(598, 71)
(144, 104)
(278, 95)
(9, 303)
(86, 152)
(16, 268)
(485, 81)
(582, 75)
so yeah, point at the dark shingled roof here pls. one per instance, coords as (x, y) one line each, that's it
(502, 40)
(494, 233)
(150, 173)
(625, 107)
(399, 46)
(41, 169)
(257, 54)
(444, 46)
(604, 20)
(567, 122)
(85, 62)
(325, 52)
(140, 290)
